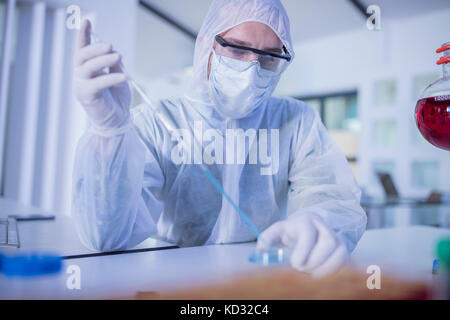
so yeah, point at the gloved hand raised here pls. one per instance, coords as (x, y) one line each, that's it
(105, 95)
(315, 248)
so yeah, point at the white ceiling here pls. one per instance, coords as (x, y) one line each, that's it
(398, 9)
(309, 18)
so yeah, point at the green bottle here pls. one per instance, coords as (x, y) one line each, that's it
(443, 253)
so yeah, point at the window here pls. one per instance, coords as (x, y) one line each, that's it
(385, 93)
(39, 136)
(338, 111)
(425, 174)
(341, 113)
(384, 133)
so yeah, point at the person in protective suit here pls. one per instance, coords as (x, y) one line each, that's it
(128, 187)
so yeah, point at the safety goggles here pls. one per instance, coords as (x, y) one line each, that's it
(269, 61)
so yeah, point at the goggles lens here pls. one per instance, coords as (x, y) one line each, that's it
(266, 61)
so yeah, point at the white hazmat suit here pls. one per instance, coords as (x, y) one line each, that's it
(127, 186)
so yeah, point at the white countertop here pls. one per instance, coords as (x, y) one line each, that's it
(56, 236)
(406, 251)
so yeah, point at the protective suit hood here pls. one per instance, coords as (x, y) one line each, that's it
(222, 16)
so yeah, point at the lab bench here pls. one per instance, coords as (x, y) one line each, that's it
(405, 252)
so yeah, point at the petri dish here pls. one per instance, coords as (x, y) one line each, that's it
(274, 256)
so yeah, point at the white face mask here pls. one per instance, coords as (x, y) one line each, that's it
(238, 88)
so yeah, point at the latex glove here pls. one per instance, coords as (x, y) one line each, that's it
(314, 247)
(100, 85)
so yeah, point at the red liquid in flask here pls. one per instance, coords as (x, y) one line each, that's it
(433, 120)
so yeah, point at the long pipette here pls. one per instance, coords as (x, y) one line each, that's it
(171, 128)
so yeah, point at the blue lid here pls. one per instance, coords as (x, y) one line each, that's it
(30, 265)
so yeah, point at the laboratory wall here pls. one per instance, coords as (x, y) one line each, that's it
(388, 69)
